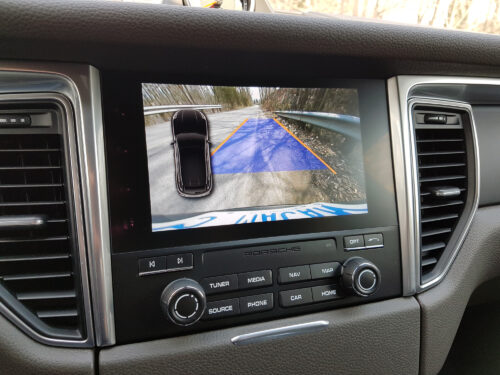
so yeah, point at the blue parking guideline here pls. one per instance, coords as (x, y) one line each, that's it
(262, 145)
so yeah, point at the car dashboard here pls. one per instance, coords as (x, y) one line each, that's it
(326, 201)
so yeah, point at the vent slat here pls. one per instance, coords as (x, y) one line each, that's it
(37, 276)
(32, 258)
(441, 165)
(435, 232)
(438, 218)
(441, 178)
(30, 204)
(57, 314)
(31, 168)
(440, 153)
(440, 140)
(42, 239)
(30, 186)
(22, 150)
(61, 294)
(428, 261)
(441, 204)
(433, 246)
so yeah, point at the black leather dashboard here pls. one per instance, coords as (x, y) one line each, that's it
(158, 39)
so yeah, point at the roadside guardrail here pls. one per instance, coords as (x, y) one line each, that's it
(346, 125)
(157, 109)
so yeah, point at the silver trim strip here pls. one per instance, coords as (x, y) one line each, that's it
(73, 186)
(401, 98)
(91, 136)
(276, 333)
(374, 246)
(403, 183)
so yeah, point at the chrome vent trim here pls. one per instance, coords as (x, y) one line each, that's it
(454, 243)
(442, 158)
(448, 91)
(33, 82)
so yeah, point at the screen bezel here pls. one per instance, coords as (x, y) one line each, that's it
(128, 178)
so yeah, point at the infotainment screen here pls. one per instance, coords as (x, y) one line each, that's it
(221, 155)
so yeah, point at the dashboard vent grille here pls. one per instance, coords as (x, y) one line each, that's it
(442, 180)
(36, 258)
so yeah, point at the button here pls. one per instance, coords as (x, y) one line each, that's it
(325, 293)
(374, 240)
(354, 242)
(325, 270)
(220, 309)
(261, 302)
(255, 279)
(293, 274)
(295, 297)
(179, 262)
(432, 118)
(148, 266)
(220, 284)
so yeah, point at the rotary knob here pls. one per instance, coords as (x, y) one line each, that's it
(183, 301)
(360, 276)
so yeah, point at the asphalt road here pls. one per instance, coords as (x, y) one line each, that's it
(280, 166)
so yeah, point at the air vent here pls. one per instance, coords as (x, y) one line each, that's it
(37, 255)
(442, 136)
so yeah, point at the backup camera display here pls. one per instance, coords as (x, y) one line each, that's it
(234, 155)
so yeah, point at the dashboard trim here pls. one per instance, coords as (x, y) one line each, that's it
(279, 332)
(96, 203)
(403, 187)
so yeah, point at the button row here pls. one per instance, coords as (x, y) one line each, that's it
(265, 302)
(304, 296)
(246, 280)
(236, 306)
(169, 263)
(366, 241)
(309, 272)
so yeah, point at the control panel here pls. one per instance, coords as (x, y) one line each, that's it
(171, 292)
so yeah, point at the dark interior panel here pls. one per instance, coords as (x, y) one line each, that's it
(487, 120)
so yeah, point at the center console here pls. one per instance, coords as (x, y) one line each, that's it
(235, 204)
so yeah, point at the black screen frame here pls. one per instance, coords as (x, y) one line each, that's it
(128, 178)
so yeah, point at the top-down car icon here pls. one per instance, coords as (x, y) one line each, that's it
(193, 171)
